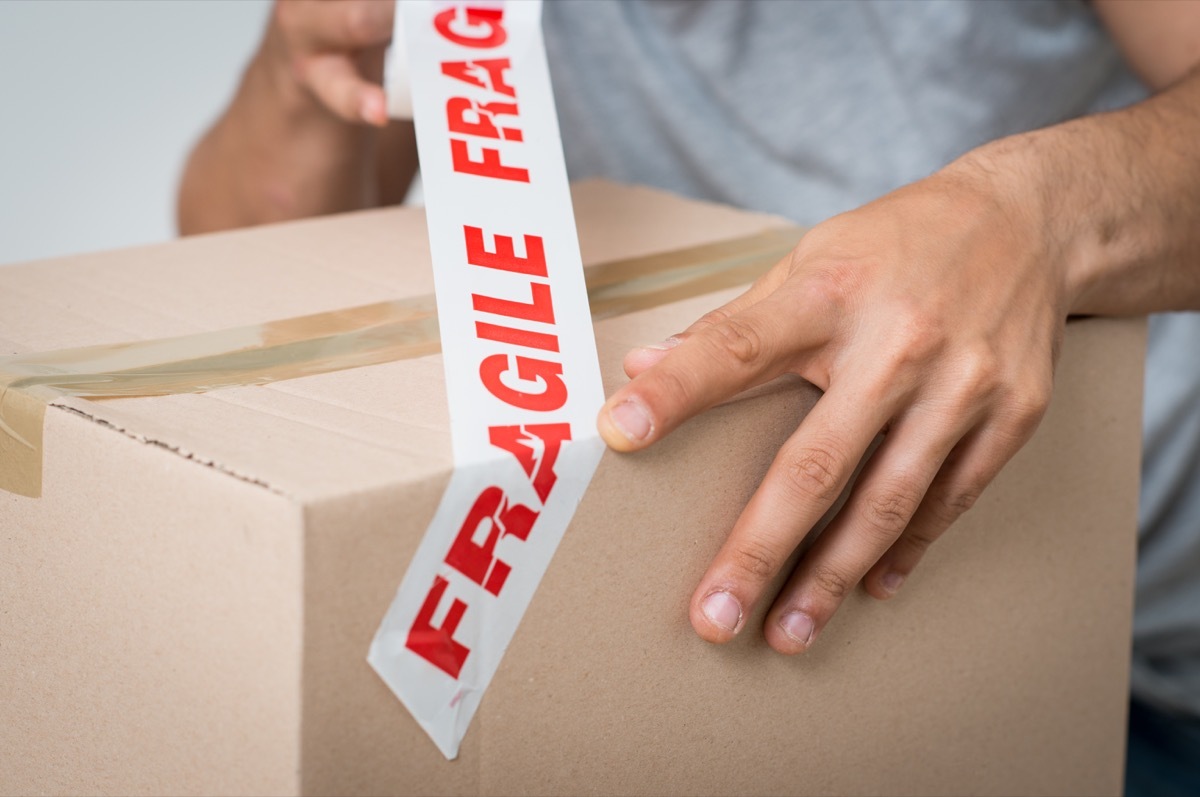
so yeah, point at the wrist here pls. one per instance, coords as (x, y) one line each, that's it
(1032, 176)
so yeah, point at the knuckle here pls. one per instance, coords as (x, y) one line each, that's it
(832, 582)
(739, 340)
(961, 501)
(813, 473)
(975, 381)
(673, 384)
(831, 285)
(711, 319)
(667, 385)
(1030, 404)
(916, 334)
(918, 540)
(915, 340)
(888, 512)
(958, 502)
(980, 372)
(754, 561)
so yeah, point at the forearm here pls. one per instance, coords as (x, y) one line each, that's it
(275, 154)
(1116, 197)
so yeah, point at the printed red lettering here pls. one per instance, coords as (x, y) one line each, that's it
(522, 443)
(517, 337)
(504, 258)
(488, 166)
(437, 645)
(477, 119)
(478, 562)
(481, 27)
(537, 372)
(540, 308)
(469, 72)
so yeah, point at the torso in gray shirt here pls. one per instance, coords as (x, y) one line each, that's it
(808, 109)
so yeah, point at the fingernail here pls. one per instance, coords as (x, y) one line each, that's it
(798, 626)
(891, 582)
(665, 345)
(631, 419)
(722, 610)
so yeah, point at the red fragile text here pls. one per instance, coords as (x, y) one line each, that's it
(488, 113)
(521, 380)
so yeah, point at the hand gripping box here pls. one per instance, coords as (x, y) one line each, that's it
(187, 607)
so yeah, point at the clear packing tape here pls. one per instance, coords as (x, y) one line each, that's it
(325, 342)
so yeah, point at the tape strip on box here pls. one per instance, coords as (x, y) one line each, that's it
(324, 342)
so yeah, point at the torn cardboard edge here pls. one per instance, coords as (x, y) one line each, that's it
(325, 342)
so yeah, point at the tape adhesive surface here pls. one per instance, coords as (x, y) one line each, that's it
(522, 376)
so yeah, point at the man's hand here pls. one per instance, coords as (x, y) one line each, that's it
(932, 314)
(302, 136)
(329, 47)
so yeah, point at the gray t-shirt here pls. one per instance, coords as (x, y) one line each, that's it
(807, 109)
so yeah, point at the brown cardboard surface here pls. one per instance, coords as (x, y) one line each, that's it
(187, 608)
(321, 343)
(150, 633)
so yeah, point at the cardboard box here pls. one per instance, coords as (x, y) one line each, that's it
(188, 606)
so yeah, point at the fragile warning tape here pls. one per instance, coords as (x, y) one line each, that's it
(522, 376)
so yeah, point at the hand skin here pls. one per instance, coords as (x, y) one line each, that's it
(933, 314)
(307, 132)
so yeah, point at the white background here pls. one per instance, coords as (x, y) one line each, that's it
(100, 102)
